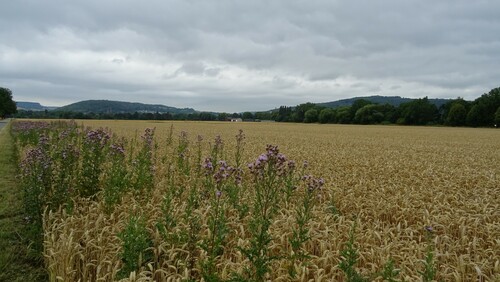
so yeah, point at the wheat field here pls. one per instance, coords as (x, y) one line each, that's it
(391, 181)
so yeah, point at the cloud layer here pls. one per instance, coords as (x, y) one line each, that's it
(222, 55)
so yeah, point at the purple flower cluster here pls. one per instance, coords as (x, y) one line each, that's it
(70, 152)
(98, 137)
(208, 166)
(23, 126)
(117, 149)
(240, 137)
(218, 141)
(313, 184)
(273, 158)
(224, 172)
(148, 136)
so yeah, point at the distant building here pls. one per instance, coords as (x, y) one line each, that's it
(236, 120)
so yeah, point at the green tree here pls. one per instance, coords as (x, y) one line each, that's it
(311, 116)
(300, 111)
(457, 115)
(369, 114)
(358, 104)
(326, 115)
(418, 112)
(343, 115)
(474, 116)
(247, 115)
(487, 105)
(497, 117)
(444, 109)
(222, 116)
(7, 105)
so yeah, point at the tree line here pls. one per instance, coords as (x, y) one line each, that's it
(482, 112)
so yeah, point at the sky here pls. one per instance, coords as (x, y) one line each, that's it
(234, 56)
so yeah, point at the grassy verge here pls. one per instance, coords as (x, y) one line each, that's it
(15, 264)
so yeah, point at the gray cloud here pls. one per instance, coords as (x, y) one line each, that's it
(247, 55)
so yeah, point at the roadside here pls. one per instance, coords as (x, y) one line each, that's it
(15, 264)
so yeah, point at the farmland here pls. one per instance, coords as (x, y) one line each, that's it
(397, 194)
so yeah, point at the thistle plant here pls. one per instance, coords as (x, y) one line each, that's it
(199, 141)
(93, 156)
(36, 180)
(136, 244)
(268, 171)
(116, 181)
(183, 153)
(390, 272)
(217, 149)
(213, 245)
(143, 165)
(240, 142)
(349, 258)
(429, 271)
(302, 217)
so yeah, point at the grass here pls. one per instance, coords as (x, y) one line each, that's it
(15, 264)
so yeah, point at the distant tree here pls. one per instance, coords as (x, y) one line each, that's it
(284, 113)
(358, 104)
(497, 117)
(300, 111)
(326, 115)
(222, 116)
(311, 116)
(418, 112)
(7, 105)
(369, 114)
(486, 106)
(263, 116)
(444, 109)
(457, 115)
(343, 115)
(247, 115)
(474, 116)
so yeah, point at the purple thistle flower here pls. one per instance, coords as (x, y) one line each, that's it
(218, 193)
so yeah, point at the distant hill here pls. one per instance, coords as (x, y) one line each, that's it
(392, 100)
(106, 106)
(32, 106)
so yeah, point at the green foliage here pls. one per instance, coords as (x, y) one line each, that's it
(497, 117)
(311, 116)
(7, 105)
(419, 112)
(117, 178)
(326, 115)
(356, 105)
(136, 244)
(457, 115)
(390, 273)
(349, 258)
(475, 116)
(430, 269)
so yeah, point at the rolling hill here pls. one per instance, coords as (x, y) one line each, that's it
(106, 106)
(392, 100)
(32, 106)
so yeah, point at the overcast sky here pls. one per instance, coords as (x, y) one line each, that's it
(229, 55)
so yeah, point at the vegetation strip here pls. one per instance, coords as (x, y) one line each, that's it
(15, 264)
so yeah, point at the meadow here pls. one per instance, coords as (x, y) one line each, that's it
(190, 201)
